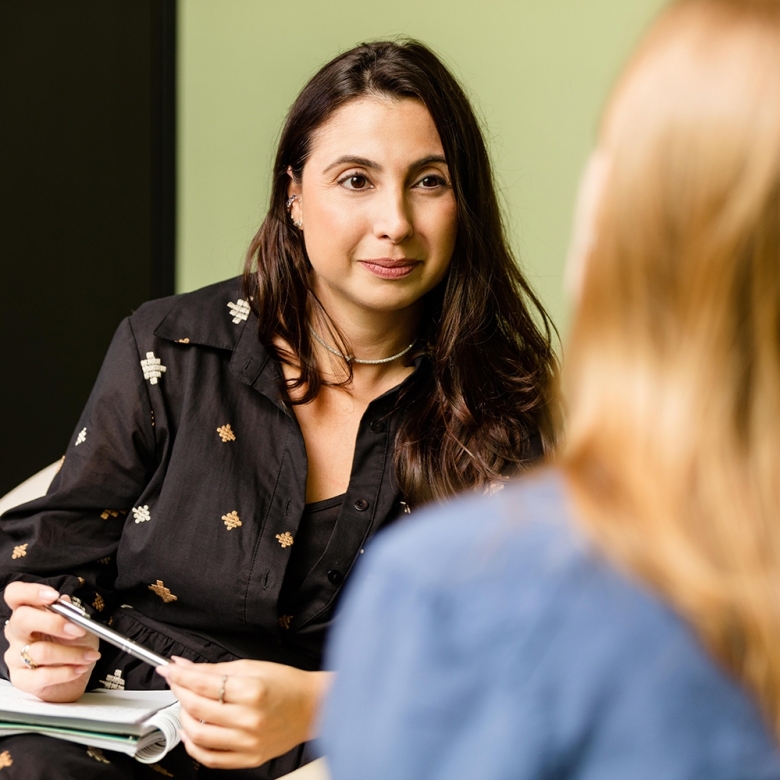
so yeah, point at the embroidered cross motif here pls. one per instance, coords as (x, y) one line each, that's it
(161, 770)
(285, 539)
(226, 433)
(19, 551)
(163, 592)
(98, 603)
(106, 513)
(74, 599)
(82, 437)
(114, 681)
(232, 520)
(141, 514)
(5, 759)
(153, 368)
(284, 621)
(239, 310)
(105, 561)
(97, 754)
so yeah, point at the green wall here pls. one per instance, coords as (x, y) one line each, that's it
(537, 70)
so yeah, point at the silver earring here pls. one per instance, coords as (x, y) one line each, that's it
(288, 204)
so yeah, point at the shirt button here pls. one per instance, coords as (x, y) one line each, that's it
(335, 576)
(361, 505)
(378, 426)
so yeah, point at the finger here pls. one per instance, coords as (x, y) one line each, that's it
(213, 737)
(34, 680)
(195, 678)
(213, 759)
(27, 621)
(33, 594)
(202, 709)
(54, 654)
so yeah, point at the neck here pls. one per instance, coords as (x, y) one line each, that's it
(367, 336)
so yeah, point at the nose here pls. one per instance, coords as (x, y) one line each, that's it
(394, 218)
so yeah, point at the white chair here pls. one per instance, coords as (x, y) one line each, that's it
(36, 486)
(31, 488)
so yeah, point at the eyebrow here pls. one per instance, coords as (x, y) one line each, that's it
(364, 162)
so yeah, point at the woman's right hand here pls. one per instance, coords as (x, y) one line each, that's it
(63, 653)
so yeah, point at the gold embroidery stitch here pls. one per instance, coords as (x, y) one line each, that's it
(19, 551)
(232, 520)
(97, 754)
(284, 621)
(59, 465)
(285, 539)
(162, 770)
(81, 581)
(98, 603)
(109, 513)
(182, 341)
(163, 592)
(114, 682)
(226, 433)
(105, 561)
(5, 759)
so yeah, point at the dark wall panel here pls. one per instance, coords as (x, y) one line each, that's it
(87, 221)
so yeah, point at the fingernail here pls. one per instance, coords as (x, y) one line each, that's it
(91, 655)
(48, 594)
(162, 671)
(71, 629)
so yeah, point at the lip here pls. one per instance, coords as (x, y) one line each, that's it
(388, 268)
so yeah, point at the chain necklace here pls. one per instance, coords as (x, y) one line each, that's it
(351, 359)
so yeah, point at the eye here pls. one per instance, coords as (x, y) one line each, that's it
(432, 182)
(355, 181)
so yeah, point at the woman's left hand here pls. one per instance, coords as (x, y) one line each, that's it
(265, 710)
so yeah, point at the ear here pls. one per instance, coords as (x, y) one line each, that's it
(294, 190)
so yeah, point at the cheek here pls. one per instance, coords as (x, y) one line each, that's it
(329, 232)
(441, 227)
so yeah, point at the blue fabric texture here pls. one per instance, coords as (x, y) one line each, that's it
(487, 640)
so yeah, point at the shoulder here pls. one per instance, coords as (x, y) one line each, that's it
(502, 602)
(207, 316)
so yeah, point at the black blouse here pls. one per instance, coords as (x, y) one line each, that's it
(181, 496)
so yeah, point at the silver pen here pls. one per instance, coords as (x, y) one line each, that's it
(79, 616)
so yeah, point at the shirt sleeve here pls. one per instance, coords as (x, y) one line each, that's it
(69, 537)
(420, 690)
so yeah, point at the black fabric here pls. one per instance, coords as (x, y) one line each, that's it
(181, 496)
(33, 757)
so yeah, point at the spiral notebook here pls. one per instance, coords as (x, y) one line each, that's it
(143, 724)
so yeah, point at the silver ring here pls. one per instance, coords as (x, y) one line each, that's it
(222, 690)
(27, 658)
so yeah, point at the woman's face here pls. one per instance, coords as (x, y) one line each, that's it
(378, 212)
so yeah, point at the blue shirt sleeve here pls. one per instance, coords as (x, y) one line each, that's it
(479, 643)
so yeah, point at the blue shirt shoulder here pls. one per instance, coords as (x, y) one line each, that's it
(488, 639)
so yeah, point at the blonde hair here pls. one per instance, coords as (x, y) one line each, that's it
(673, 369)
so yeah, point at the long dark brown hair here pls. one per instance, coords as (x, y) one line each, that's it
(481, 404)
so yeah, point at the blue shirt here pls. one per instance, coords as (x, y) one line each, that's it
(489, 641)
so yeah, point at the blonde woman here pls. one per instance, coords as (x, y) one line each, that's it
(618, 617)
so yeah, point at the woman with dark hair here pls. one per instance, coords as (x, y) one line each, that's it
(241, 446)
